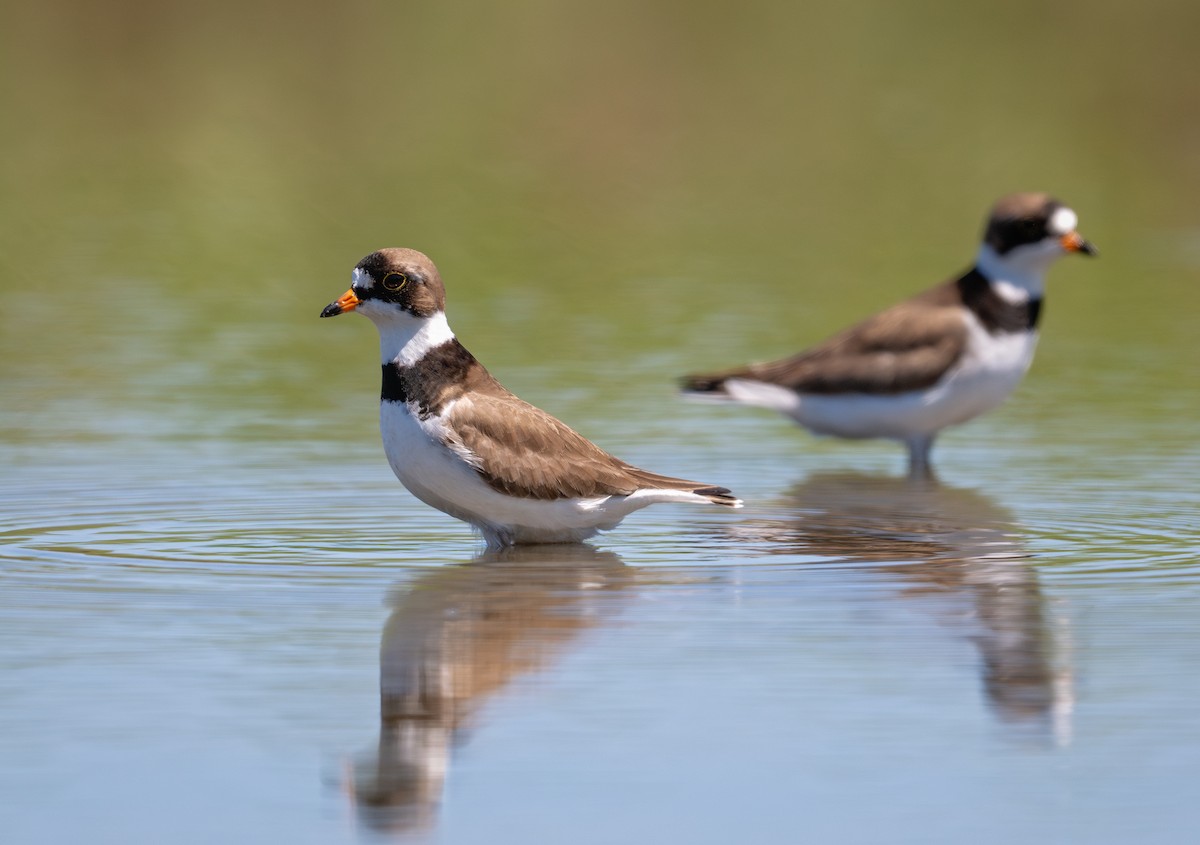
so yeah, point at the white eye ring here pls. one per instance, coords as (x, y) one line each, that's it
(1063, 221)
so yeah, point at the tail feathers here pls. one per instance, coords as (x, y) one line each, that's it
(742, 386)
(716, 495)
(719, 496)
(711, 383)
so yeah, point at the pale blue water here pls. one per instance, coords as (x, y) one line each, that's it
(196, 632)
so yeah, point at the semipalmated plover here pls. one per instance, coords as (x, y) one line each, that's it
(938, 359)
(463, 444)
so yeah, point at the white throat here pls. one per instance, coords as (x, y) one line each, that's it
(404, 339)
(1020, 275)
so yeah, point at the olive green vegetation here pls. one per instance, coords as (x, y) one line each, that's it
(614, 191)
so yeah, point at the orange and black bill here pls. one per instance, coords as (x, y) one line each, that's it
(346, 302)
(1075, 242)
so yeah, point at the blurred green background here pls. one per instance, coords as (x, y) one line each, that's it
(614, 191)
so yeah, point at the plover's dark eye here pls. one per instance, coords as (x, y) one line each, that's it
(395, 281)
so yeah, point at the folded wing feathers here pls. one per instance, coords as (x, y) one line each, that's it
(522, 451)
(907, 347)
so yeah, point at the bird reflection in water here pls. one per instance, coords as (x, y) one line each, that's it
(455, 638)
(951, 542)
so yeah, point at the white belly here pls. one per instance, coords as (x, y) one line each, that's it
(989, 371)
(443, 478)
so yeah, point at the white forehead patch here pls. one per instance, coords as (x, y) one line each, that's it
(1063, 221)
(361, 279)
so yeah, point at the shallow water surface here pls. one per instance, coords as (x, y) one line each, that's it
(297, 648)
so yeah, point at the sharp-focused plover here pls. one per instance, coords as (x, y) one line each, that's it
(935, 360)
(463, 444)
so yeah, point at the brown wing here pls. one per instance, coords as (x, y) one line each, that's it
(523, 451)
(907, 347)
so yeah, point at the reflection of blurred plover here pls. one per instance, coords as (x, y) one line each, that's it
(938, 359)
(463, 444)
(456, 637)
(956, 550)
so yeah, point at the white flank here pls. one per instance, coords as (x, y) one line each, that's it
(989, 370)
(439, 470)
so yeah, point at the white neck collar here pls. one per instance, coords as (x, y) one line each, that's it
(1016, 277)
(406, 339)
